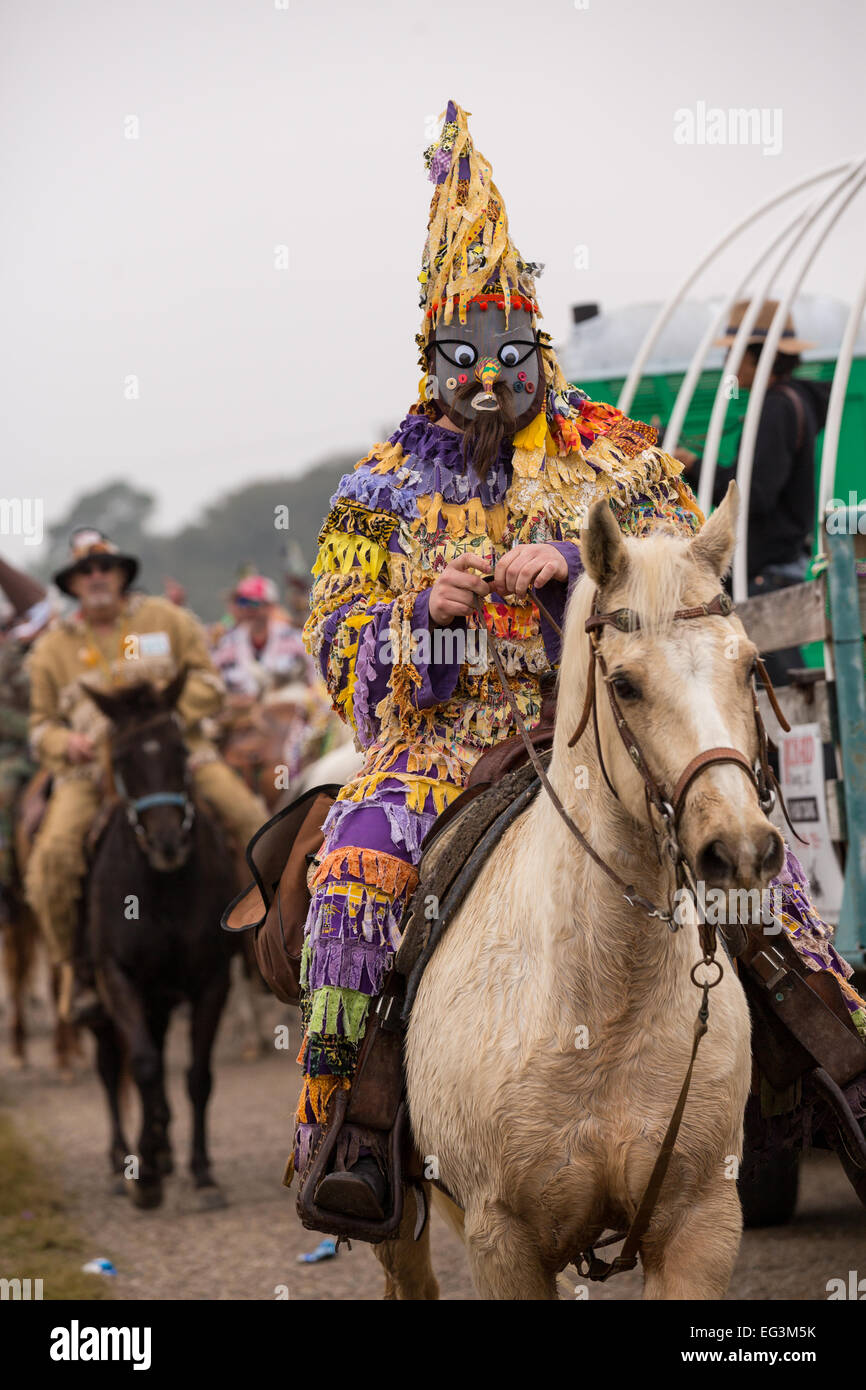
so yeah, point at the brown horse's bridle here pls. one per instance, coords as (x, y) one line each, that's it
(134, 806)
(669, 809)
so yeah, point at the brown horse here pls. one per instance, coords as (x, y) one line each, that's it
(160, 875)
(272, 742)
(20, 938)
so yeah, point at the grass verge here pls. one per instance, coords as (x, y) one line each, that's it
(37, 1238)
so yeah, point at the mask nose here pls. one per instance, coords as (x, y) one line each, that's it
(487, 372)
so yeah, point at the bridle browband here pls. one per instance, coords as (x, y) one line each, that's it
(135, 806)
(766, 786)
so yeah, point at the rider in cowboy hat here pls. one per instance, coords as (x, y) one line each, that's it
(113, 637)
(782, 496)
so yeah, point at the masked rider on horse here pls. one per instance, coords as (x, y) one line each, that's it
(112, 638)
(479, 495)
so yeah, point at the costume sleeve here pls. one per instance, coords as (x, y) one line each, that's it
(49, 735)
(368, 640)
(203, 692)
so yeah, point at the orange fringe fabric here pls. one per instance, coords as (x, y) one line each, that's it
(372, 866)
(317, 1092)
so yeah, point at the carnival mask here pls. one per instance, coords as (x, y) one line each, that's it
(474, 364)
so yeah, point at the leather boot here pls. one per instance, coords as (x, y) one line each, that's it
(358, 1191)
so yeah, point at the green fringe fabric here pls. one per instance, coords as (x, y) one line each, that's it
(331, 1004)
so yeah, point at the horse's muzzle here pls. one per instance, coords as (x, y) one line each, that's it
(741, 856)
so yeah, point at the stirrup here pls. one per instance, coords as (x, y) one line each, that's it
(319, 1218)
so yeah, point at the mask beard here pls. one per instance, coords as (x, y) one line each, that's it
(484, 436)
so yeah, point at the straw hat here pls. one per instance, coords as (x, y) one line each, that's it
(789, 342)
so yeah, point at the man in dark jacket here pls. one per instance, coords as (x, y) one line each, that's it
(782, 496)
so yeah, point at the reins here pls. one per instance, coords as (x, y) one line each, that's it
(590, 1265)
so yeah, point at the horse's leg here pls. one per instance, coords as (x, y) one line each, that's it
(18, 950)
(109, 1064)
(406, 1262)
(207, 1009)
(503, 1255)
(158, 1018)
(128, 1011)
(697, 1258)
(64, 1035)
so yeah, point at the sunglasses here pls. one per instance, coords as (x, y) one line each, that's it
(96, 566)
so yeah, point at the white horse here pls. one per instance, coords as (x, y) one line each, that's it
(553, 1026)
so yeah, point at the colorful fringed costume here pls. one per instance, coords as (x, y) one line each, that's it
(424, 701)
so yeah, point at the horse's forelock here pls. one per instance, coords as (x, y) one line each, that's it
(657, 579)
(135, 702)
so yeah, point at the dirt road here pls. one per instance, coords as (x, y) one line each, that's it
(250, 1248)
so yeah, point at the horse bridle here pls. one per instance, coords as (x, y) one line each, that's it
(668, 808)
(135, 806)
(766, 786)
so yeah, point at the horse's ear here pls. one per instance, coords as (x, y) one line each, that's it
(171, 693)
(714, 544)
(106, 701)
(601, 545)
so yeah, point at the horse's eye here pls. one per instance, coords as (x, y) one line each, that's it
(624, 688)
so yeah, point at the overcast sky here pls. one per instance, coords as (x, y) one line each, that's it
(260, 126)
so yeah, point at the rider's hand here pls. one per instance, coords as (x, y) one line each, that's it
(452, 593)
(528, 564)
(80, 748)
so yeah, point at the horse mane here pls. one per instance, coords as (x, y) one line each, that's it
(654, 585)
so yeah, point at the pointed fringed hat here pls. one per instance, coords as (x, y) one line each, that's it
(470, 258)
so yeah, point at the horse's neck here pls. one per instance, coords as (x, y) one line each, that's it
(591, 933)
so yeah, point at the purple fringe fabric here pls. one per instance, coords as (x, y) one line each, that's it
(434, 463)
(349, 964)
(333, 917)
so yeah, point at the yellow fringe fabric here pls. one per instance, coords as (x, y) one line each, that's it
(340, 551)
(456, 223)
(348, 652)
(388, 458)
(535, 435)
(687, 500)
(461, 519)
(418, 788)
(318, 1091)
(371, 866)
